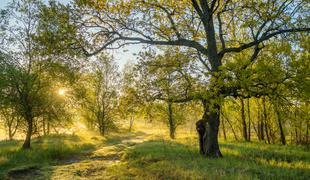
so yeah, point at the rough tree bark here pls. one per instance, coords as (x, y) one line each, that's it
(212, 118)
(211, 145)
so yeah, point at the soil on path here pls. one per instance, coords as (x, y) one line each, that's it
(93, 165)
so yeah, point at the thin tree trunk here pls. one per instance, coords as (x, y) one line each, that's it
(282, 136)
(131, 123)
(49, 120)
(296, 130)
(10, 124)
(262, 133)
(249, 119)
(255, 130)
(259, 133)
(48, 128)
(102, 127)
(262, 122)
(300, 132)
(267, 135)
(296, 135)
(171, 121)
(10, 134)
(232, 128)
(259, 136)
(244, 125)
(271, 134)
(307, 133)
(265, 119)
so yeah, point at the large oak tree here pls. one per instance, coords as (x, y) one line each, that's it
(214, 28)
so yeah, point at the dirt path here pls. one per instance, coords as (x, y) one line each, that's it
(93, 165)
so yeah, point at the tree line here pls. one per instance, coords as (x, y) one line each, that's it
(242, 63)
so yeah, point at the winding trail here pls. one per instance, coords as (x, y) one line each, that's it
(93, 165)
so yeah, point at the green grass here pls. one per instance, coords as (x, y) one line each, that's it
(179, 160)
(156, 157)
(45, 151)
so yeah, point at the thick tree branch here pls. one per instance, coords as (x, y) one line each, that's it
(197, 8)
(181, 100)
(263, 38)
(205, 7)
(214, 5)
(179, 42)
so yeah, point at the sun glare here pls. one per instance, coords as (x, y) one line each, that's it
(62, 92)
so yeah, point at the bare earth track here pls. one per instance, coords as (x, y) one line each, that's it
(93, 165)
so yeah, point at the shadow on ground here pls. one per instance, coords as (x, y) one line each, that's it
(173, 160)
(138, 155)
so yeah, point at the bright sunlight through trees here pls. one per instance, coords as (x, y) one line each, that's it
(153, 89)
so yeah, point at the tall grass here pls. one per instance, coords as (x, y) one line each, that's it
(45, 151)
(178, 160)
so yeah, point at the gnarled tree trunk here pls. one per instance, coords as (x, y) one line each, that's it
(211, 145)
(210, 139)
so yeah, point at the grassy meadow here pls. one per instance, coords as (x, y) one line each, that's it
(147, 153)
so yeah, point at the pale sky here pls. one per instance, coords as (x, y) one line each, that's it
(122, 55)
